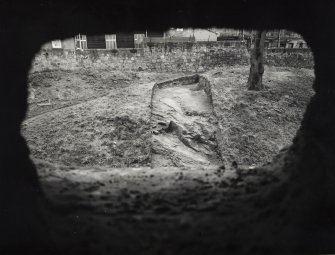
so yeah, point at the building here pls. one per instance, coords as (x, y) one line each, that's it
(181, 35)
(108, 41)
(284, 39)
(228, 34)
(273, 39)
(199, 35)
(68, 44)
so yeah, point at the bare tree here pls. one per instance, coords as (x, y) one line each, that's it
(256, 63)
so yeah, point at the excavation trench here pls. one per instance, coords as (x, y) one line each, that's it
(149, 123)
(183, 124)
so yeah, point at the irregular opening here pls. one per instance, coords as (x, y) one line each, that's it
(129, 132)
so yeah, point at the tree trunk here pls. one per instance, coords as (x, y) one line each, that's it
(256, 63)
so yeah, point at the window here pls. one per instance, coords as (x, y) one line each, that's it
(290, 45)
(111, 41)
(80, 42)
(138, 37)
(96, 42)
(125, 40)
(57, 44)
(138, 40)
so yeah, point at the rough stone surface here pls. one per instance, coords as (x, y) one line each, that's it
(186, 212)
(303, 59)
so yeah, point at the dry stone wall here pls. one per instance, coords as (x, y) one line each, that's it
(300, 59)
(168, 57)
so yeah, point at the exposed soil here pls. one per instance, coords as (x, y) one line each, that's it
(106, 119)
(112, 130)
(184, 128)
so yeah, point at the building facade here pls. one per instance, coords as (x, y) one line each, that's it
(198, 35)
(107, 41)
(273, 39)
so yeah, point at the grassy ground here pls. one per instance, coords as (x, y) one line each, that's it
(255, 126)
(107, 124)
(102, 118)
(50, 90)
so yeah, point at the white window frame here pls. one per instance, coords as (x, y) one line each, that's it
(82, 41)
(111, 41)
(138, 39)
(56, 44)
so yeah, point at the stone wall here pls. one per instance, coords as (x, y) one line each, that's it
(168, 57)
(302, 58)
(171, 57)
